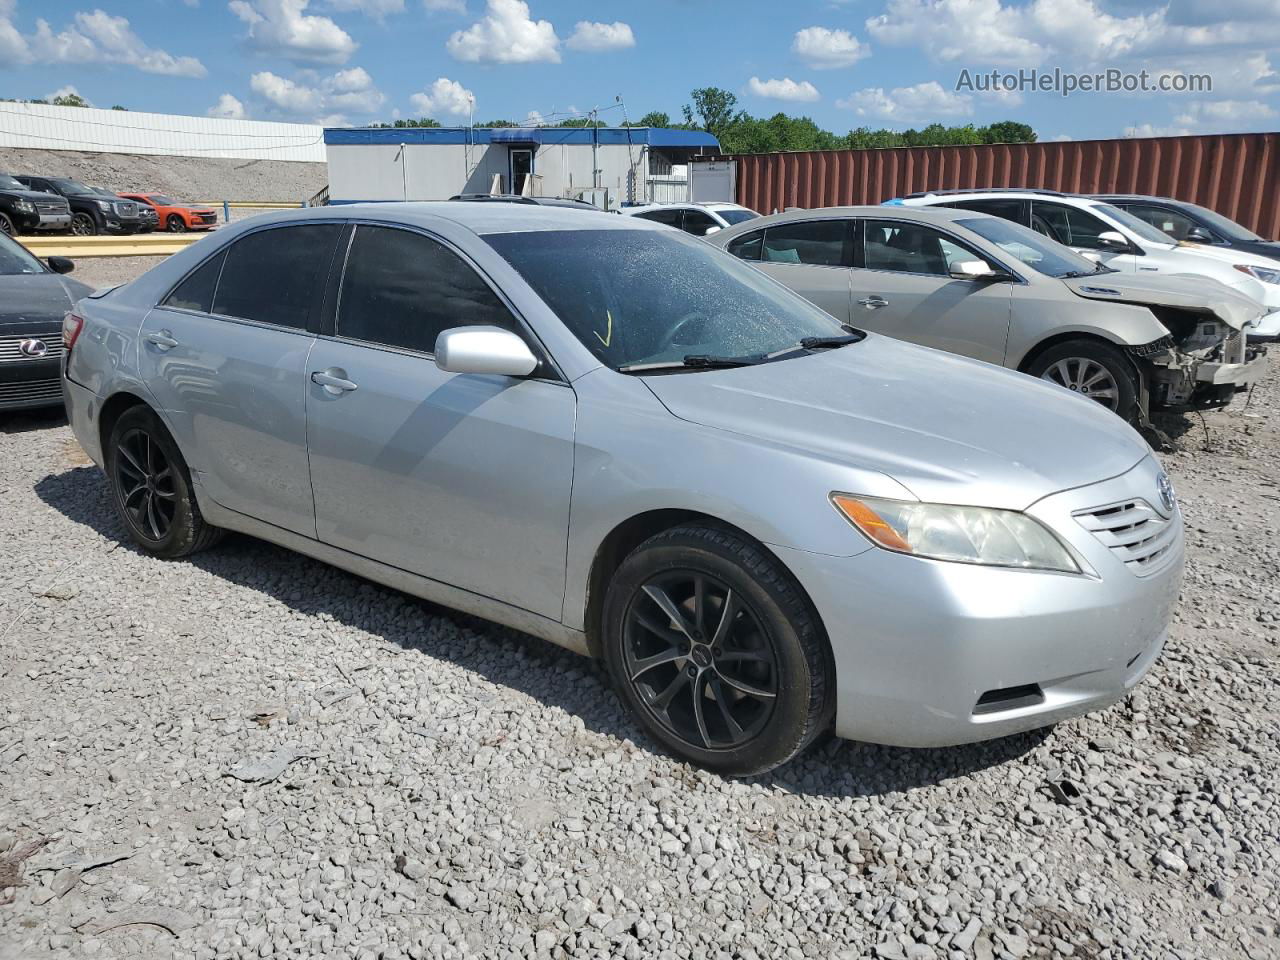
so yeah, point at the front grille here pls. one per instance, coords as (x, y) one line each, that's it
(52, 206)
(10, 351)
(31, 391)
(127, 208)
(1133, 531)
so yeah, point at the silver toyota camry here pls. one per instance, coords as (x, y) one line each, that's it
(614, 436)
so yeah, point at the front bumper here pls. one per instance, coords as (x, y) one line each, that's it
(929, 653)
(1240, 374)
(30, 384)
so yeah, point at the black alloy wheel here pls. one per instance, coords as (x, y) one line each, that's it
(145, 479)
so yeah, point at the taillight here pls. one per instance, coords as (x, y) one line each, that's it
(71, 327)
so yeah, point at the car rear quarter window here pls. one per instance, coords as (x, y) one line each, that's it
(401, 289)
(272, 276)
(823, 243)
(196, 291)
(698, 222)
(747, 246)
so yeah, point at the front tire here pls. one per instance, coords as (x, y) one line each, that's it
(716, 650)
(83, 225)
(1093, 369)
(151, 487)
(6, 226)
(176, 224)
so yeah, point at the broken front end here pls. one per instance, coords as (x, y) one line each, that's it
(1203, 362)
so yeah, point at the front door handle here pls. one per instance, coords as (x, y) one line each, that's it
(334, 380)
(874, 303)
(163, 339)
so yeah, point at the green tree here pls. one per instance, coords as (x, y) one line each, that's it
(654, 118)
(70, 100)
(420, 122)
(1008, 131)
(714, 107)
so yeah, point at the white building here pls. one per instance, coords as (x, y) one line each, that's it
(620, 164)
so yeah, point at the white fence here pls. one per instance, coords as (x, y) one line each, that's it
(46, 127)
(665, 190)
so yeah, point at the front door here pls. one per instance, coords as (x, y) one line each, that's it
(461, 478)
(521, 170)
(225, 356)
(904, 289)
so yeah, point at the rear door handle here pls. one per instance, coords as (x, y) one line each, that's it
(874, 303)
(164, 340)
(334, 380)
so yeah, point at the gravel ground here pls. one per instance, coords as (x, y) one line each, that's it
(250, 754)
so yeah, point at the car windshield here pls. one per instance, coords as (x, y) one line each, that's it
(1032, 249)
(73, 186)
(736, 216)
(1221, 225)
(8, 183)
(14, 259)
(1140, 228)
(638, 297)
(161, 201)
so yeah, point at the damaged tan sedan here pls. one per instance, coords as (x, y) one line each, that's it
(986, 288)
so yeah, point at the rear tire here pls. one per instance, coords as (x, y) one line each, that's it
(151, 487)
(740, 694)
(1093, 369)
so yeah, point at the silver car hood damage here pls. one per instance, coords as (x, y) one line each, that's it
(1198, 294)
(949, 429)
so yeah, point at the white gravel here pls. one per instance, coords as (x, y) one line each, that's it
(250, 754)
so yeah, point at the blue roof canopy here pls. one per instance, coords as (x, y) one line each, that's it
(660, 137)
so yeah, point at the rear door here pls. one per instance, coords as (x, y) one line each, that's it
(224, 355)
(462, 478)
(812, 257)
(903, 288)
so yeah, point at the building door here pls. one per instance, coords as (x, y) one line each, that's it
(521, 170)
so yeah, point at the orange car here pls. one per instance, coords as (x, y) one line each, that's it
(174, 216)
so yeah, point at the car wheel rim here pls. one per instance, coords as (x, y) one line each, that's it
(1087, 378)
(699, 660)
(81, 226)
(144, 477)
(4, 227)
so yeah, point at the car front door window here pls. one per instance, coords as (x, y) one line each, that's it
(697, 222)
(1175, 224)
(1069, 225)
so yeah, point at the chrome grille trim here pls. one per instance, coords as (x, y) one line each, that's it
(1134, 531)
(30, 391)
(9, 352)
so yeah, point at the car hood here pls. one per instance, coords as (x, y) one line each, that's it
(949, 429)
(31, 299)
(1189, 293)
(32, 195)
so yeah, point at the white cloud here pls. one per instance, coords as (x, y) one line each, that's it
(282, 28)
(784, 89)
(373, 8)
(318, 99)
(227, 108)
(95, 37)
(534, 119)
(506, 34)
(1147, 130)
(445, 6)
(445, 96)
(923, 102)
(595, 37)
(825, 49)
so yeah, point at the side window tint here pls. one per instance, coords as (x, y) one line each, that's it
(697, 223)
(820, 242)
(1004, 209)
(747, 246)
(402, 288)
(1174, 224)
(1075, 228)
(196, 291)
(271, 276)
(909, 248)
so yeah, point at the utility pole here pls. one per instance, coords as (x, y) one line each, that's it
(595, 143)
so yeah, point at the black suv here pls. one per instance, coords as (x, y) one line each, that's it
(23, 210)
(1191, 223)
(93, 211)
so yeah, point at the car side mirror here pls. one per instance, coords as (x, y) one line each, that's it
(973, 270)
(490, 350)
(61, 264)
(714, 228)
(1113, 240)
(1198, 235)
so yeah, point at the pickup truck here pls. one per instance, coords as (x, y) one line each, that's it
(23, 210)
(93, 211)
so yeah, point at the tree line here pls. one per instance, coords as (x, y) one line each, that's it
(715, 111)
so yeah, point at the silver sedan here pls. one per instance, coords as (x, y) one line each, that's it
(614, 436)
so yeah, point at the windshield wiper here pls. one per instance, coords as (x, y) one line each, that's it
(694, 361)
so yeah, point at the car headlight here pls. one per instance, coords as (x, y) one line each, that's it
(26, 206)
(104, 205)
(1265, 274)
(939, 531)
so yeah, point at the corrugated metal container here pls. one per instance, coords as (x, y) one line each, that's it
(1238, 175)
(46, 127)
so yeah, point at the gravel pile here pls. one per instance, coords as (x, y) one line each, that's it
(250, 754)
(184, 178)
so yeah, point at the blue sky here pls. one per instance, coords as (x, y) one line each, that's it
(846, 63)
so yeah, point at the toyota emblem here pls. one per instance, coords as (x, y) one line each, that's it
(1166, 492)
(33, 349)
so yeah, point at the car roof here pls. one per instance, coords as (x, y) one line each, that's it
(479, 218)
(1135, 196)
(893, 212)
(997, 191)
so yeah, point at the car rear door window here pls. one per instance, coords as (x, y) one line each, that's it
(1005, 209)
(273, 276)
(747, 246)
(698, 223)
(196, 291)
(910, 248)
(1167, 221)
(670, 218)
(401, 289)
(1069, 225)
(823, 243)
